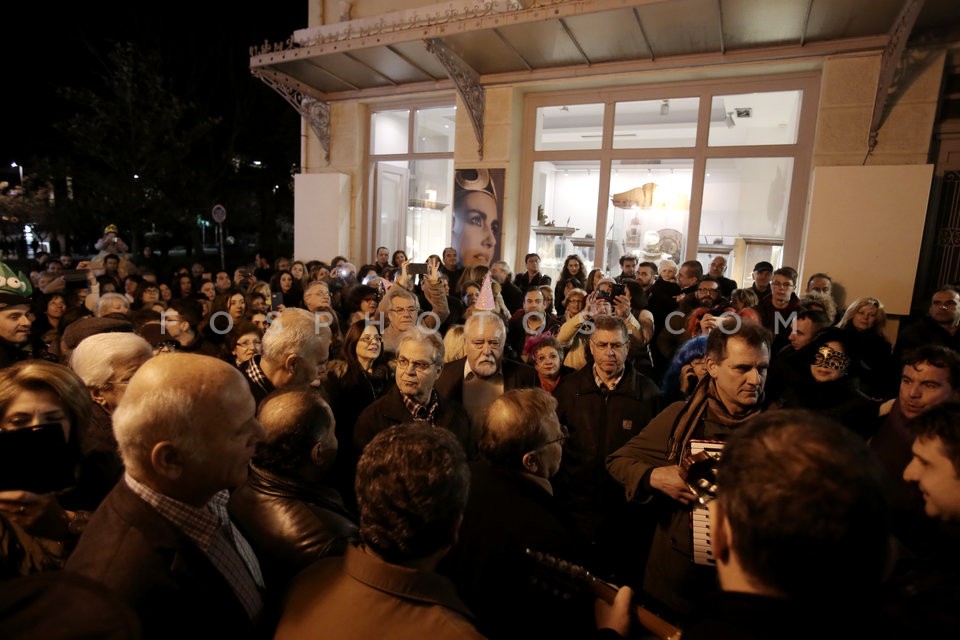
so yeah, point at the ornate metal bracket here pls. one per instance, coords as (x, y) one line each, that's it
(892, 56)
(468, 84)
(313, 109)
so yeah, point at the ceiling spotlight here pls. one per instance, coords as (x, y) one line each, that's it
(564, 108)
(731, 123)
(665, 108)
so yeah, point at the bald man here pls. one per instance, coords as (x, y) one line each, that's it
(162, 539)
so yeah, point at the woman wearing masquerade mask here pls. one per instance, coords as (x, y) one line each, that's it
(832, 387)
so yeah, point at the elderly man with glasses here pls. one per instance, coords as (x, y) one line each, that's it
(511, 508)
(604, 405)
(413, 399)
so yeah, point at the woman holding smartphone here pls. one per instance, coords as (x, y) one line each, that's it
(43, 406)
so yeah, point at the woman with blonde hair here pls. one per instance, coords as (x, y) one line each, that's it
(863, 324)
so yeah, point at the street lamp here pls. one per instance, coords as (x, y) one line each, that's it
(14, 165)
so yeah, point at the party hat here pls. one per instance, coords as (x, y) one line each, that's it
(485, 301)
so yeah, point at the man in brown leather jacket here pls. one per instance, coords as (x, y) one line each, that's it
(287, 510)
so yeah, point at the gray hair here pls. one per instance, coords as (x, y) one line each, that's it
(289, 331)
(105, 298)
(425, 338)
(168, 410)
(98, 358)
(481, 317)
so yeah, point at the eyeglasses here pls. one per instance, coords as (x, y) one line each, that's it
(603, 346)
(564, 434)
(405, 311)
(116, 383)
(779, 284)
(946, 304)
(418, 365)
(370, 338)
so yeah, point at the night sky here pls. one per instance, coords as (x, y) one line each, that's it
(204, 45)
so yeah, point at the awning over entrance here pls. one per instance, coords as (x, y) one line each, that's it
(470, 44)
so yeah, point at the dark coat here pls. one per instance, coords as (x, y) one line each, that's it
(290, 524)
(512, 296)
(600, 422)
(390, 410)
(925, 331)
(516, 375)
(156, 569)
(506, 514)
(524, 281)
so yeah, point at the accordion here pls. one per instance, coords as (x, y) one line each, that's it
(701, 467)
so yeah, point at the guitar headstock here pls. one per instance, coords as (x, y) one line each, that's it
(563, 576)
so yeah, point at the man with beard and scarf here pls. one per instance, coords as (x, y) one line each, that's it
(649, 465)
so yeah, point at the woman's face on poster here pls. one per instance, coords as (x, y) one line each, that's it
(476, 227)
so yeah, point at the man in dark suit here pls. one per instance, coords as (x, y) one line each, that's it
(483, 375)
(510, 508)
(413, 399)
(162, 539)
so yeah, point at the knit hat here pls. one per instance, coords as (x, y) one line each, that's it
(77, 330)
(15, 288)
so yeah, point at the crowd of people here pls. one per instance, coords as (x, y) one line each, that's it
(293, 447)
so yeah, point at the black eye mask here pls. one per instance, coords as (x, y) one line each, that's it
(831, 359)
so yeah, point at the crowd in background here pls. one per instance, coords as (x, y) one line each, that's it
(629, 367)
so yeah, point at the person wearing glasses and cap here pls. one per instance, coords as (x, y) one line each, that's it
(413, 399)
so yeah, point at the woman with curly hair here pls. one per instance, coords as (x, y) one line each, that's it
(573, 273)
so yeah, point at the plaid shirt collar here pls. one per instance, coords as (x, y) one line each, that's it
(254, 372)
(422, 412)
(603, 385)
(199, 524)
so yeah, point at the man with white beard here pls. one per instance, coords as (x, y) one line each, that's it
(482, 376)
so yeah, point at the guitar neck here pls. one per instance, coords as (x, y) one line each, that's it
(650, 621)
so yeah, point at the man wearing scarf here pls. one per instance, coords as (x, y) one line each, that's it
(649, 465)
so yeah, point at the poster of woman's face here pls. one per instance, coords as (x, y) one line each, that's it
(477, 215)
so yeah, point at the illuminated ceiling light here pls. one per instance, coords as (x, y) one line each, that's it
(665, 108)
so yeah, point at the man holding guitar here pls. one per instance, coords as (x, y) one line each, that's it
(649, 465)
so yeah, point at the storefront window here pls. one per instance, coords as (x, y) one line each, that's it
(648, 209)
(570, 126)
(411, 193)
(709, 170)
(755, 118)
(744, 212)
(389, 132)
(650, 124)
(563, 215)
